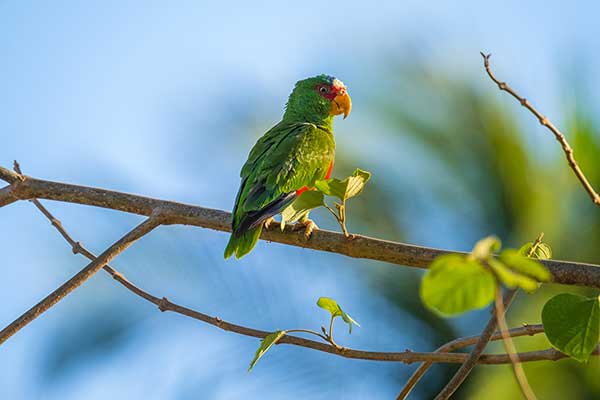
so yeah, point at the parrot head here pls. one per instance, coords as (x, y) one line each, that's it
(318, 99)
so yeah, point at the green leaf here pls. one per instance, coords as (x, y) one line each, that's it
(485, 247)
(572, 324)
(308, 200)
(330, 305)
(514, 260)
(454, 284)
(541, 252)
(349, 187)
(511, 278)
(516, 271)
(265, 345)
(336, 311)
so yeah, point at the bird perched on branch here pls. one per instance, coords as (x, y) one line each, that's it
(288, 159)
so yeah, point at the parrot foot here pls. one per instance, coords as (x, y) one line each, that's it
(268, 222)
(309, 227)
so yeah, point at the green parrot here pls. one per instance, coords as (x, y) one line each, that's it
(288, 159)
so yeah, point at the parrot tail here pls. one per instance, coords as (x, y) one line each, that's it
(241, 244)
(247, 227)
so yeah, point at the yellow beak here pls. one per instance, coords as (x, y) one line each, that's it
(341, 104)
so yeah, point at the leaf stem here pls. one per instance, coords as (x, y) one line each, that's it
(340, 216)
(310, 331)
(535, 245)
(343, 218)
(332, 211)
(330, 335)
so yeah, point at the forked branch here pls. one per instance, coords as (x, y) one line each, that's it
(79, 278)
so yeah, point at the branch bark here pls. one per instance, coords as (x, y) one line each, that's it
(407, 356)
(473, 358)
(167, 212)
(504, 333)
(526, 330)
(357, 246)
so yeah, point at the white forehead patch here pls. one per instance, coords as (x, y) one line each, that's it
(338, 84)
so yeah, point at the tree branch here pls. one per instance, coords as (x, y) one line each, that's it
(506, 338)
(167, 212)
(79, 278)
(497, 318)
(549, 125)
(568, 273)
(526, 330)
(466, 368)
(407, 356)
(8, 176)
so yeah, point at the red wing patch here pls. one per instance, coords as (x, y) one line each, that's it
(328, 174)
(301, 190)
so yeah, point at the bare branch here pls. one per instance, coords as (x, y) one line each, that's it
(568, 273)
(475, 354)
(407, 356)
(526, 330)
(550, 126)
(78, 279)
(498, 313)
(8, 176)
(450, 346)
(9, 194)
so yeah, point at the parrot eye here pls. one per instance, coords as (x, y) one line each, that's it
(323, 89)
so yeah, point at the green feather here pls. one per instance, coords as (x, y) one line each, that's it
(242, 245)
(294, 153)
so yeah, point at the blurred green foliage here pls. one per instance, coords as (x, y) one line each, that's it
(488, 163)
(457, 160)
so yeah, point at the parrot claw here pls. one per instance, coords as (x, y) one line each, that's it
(309, 227)
(268, 222)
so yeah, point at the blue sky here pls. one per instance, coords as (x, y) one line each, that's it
(156, 98)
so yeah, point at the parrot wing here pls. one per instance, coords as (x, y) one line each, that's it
(285, 159)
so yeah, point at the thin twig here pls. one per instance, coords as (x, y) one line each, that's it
(526, 330)
(330, 335)
(407, 356)
(550, 126)
(473, 358)
(563, 272)
(509, 346)
(309, 331)
(340, 216)
(498, 312)
(342, 210)
(79, 278)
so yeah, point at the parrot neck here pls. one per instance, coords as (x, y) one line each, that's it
(324, 123)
